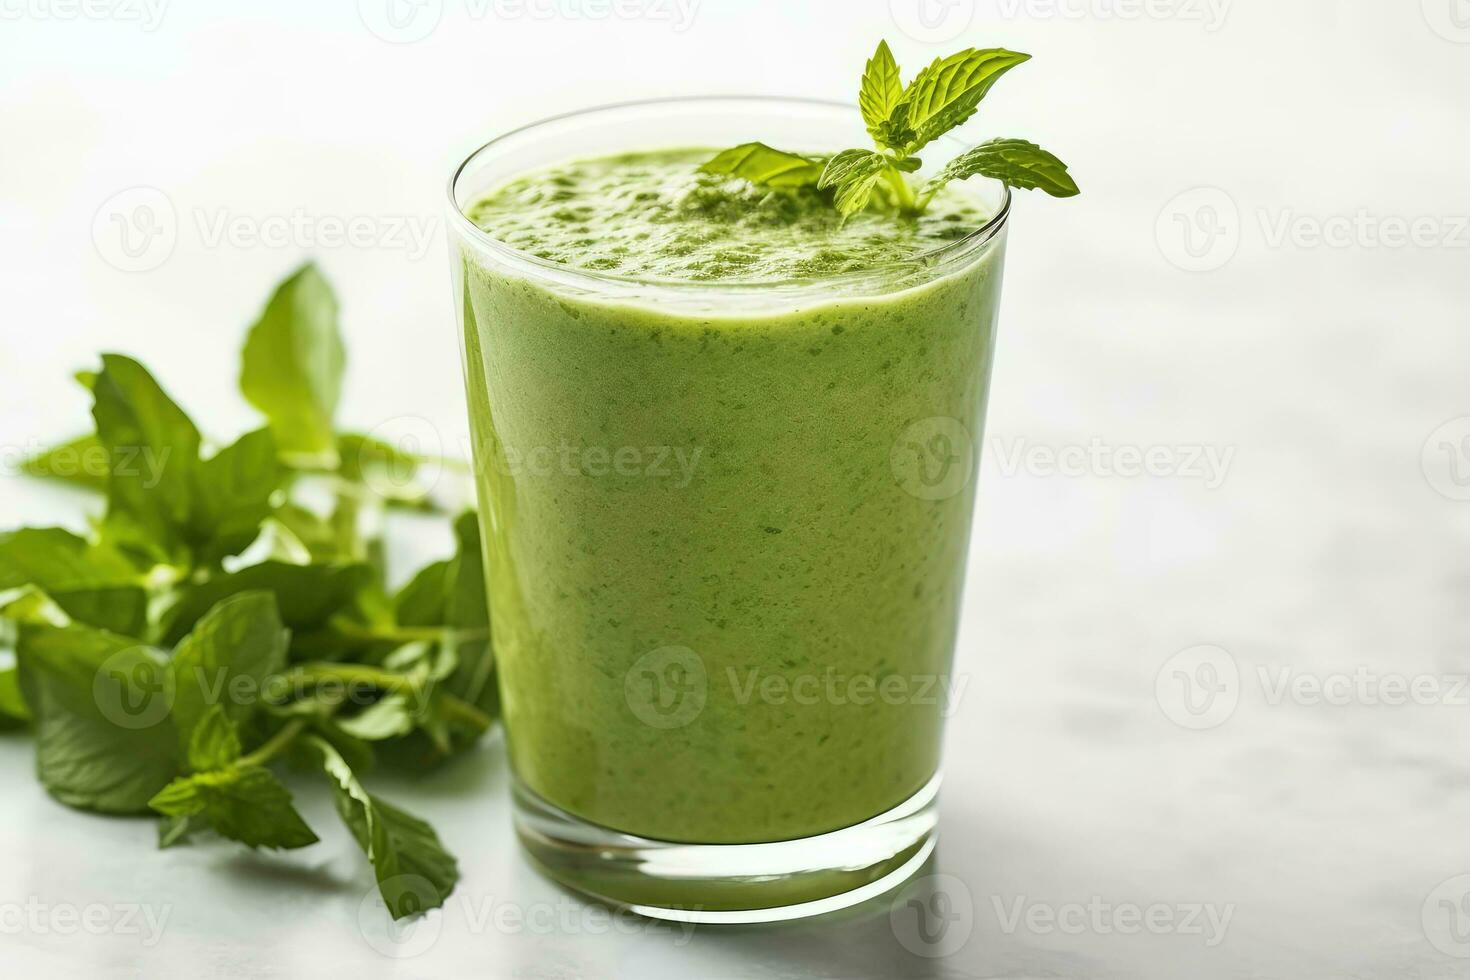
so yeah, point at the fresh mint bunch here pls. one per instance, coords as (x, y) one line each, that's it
(903, 119)
(212, 625)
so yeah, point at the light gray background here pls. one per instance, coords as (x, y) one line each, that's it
(1187, 304)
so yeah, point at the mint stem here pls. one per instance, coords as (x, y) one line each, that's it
(274, 745)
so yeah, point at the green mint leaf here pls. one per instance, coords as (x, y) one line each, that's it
(880, 93)
(103, 738)
(1011, 161)
(293, 361)
(423, 600)
(467, 614)
(765, 166)
(14, 712)
(214, 743)
(243, 803)
(154, 450)
(414, 871)
(82, 462)
(173, 831)
(226, 662)
(854, 173)
(121, 609)
(54, 559)
(946, 93)
(234, 494)
(307, 596)
(386, 718)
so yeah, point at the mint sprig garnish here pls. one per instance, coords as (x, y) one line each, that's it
(217, 621)
(903, 119)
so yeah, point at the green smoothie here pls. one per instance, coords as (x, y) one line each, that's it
(726, 540)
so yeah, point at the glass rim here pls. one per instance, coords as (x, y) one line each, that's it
(933, 260)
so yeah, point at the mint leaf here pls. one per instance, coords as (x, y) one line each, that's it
(307, 596)
(14, 713)
(226, 662)
(293, 361)
(234, 494)
(854, 173)
(946, 93)
(765, 166)
(880, 92)
(103, 739)
(467, 614)
(1012, 161)
(55, 560)
(82, 461)
(243, 803)
(414, 871)
(388, 717)
(422, 601)
(173, 831)
(121, 609)
(154, 449)
(214, 743)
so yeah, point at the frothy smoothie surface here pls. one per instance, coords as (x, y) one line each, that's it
(654, 215)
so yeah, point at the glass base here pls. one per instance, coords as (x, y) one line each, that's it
(729, 883)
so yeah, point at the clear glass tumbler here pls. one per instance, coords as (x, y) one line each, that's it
(726, 528)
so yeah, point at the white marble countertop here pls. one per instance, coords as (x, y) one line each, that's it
(1216, 724)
